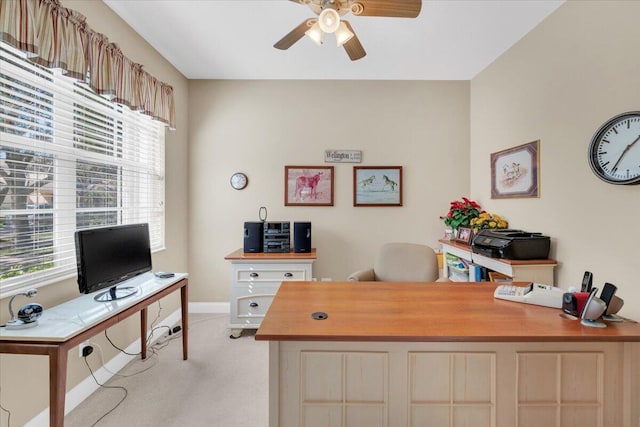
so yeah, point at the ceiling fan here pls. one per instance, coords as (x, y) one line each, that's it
(329, 21)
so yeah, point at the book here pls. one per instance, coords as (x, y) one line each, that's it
(475, 273)
(494, 276)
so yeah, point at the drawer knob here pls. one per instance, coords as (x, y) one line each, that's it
(288, 274)
(253, 304)
(254, 275)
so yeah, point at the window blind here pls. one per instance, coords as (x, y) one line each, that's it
(69, 160)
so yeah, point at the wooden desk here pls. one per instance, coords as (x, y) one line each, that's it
(67, 325)
(442, 354)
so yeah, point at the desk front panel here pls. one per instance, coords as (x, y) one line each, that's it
(322, 384)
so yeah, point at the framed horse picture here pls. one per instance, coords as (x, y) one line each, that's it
(377, 186)
(308, 185)
(515, 172)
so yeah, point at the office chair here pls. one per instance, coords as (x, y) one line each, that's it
(401, 262)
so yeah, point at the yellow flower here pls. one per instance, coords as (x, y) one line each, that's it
(488, 220)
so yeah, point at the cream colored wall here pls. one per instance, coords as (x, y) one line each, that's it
(574, 71)
(258, 127)
(24, 379)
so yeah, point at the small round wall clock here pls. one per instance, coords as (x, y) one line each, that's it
(614, 151)
(239, 180)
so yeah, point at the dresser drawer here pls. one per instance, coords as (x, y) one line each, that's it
(255, 280)
(250, 307)
(271, 275)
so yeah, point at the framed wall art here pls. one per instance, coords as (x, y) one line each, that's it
(308, 185)
(377, 186)
(515, 172)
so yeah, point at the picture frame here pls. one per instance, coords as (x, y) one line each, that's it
(308, 185)
(377, 186)
(515, 172)
(448, 234)
(464, 235)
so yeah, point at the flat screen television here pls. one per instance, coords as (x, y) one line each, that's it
(107, 256)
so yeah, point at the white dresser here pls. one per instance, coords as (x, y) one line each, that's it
(255, 279)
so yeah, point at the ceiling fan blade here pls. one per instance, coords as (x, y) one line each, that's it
(390, 8)
(296, 34)
(353, 47)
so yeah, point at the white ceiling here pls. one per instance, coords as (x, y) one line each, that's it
(233, 39)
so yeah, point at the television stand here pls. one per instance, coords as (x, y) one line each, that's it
(115, 293)
(56, 333)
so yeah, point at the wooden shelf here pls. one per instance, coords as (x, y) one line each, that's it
(532, 270)
(239, 254)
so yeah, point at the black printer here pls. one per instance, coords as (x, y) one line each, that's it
(511, 244)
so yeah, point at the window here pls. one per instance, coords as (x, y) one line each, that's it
(69, 160)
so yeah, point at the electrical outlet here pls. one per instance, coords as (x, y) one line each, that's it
(82, 346)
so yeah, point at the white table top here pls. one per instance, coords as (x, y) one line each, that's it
(64, 321)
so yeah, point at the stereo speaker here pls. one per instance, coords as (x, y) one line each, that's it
(253, 235)
(302, 237)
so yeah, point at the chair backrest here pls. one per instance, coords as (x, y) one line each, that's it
(406, 262)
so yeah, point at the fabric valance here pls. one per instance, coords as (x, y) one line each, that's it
(57, 37)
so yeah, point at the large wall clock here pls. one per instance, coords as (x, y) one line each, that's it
(614, 151)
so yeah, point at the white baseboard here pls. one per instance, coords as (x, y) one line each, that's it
(79, 393)
(209, 307)
(76, 395)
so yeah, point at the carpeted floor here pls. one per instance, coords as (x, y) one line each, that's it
(223, 384)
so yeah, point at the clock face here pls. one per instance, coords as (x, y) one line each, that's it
(239, 181)
(614, 152)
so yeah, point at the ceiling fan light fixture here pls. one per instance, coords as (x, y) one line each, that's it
(329, 20)
(315, 34)
(343, 34)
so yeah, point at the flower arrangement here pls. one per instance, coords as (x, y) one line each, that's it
(488, 220)
(461, 213)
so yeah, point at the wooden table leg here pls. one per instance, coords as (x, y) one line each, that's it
(143, 333)
(184, 300)
(57, 385)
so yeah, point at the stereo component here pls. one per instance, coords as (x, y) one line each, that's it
(253, 235)
(277, 237)
(301, 237)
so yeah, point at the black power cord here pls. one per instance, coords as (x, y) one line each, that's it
(118, 348)
(89, 349)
